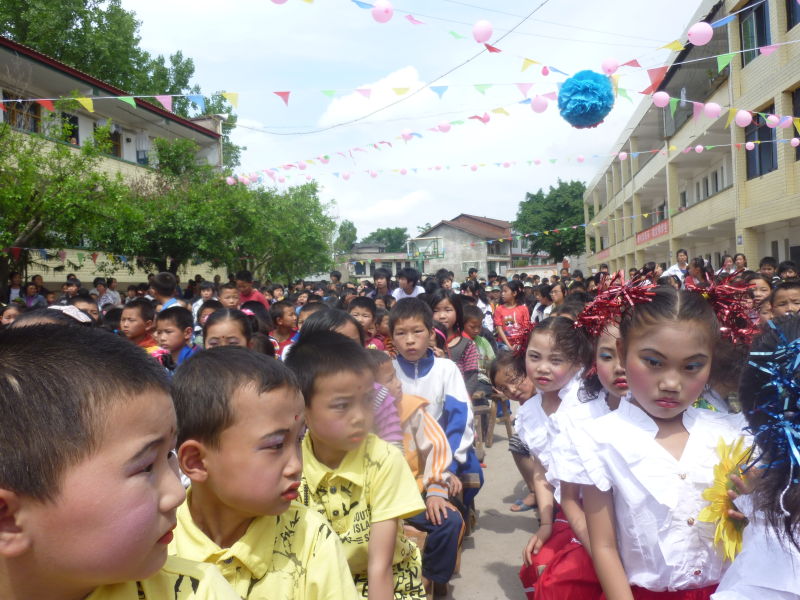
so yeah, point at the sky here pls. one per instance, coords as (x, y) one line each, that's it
(258, 47)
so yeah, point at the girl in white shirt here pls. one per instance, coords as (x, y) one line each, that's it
(554, 357)
(650, 460)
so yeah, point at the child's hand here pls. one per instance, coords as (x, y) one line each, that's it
(741, 488)
(436, 509)
(537, 541)
(454, 485)
(438, 352)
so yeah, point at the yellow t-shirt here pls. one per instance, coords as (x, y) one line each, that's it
(178, 579)
(292, 556)
(372, 484)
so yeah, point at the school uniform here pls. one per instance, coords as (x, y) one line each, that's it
(178, 579)
(663, 545)
(291, 556)
(372, 484)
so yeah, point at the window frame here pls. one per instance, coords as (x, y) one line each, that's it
(766, 145)
(792, 14)
(796, 111)
(28, 113)
(758, 15)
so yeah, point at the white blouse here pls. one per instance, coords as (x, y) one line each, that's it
(767, 568)
(657, 498)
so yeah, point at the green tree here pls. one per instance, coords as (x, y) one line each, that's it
(559, 209)
(393, 238)
(423, 228)
(345, 238)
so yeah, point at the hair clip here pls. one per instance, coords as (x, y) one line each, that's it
(609, 303)
(727, 299)
(248, 312)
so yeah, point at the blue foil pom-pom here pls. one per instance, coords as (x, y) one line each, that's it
(585, 99)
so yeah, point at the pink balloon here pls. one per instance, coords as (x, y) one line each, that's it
(743, 118)
(661, 99)
(699, 148)
(786, 121)
(308, 178)
(279, 1)
(623, 155)
(506, 164)
(581, 158)
(282, 179)
(539, 104)
(345, 176)
(712, 110)
(302, 166)
(795, 142)
(482, 31)
(772, 121)
(609, 66)
(474, 167)
(406, 134)
(750, 146)
(536, 161)
(438, 167)
(700, 33)
(373, 174)
(545, 71)
(230, 180)
(382, 11)
(403, 171)
(687, 150)
(444, 127)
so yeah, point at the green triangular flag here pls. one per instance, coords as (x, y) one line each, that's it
(128, 100)
(329, 93)
(553, 160)
(624, 93)
(673, 105)
(458, 36)
(482, 87)
(456, 122)
(723, 60)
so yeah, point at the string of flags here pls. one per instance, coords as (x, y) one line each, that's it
(87, 102)
(15, 252)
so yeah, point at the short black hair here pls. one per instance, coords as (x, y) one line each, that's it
(99, 281)
(322, 353)
(377, 358)
(363, 302)
(331, 320)
(164, 284)
(244, 275)
(471, 311)
(228, 286)
(178, 315)
(787, 265)
(206, 285)
(55, 401)
(409, 274)
(411, 308)
(229, 314)
(215, 304)
(768, 261)
(312, 307)
(571, 341)
(472, 270)
(380, 272)
(276, 310)
(147, 311)
(336, 274)
(789, 284)
(205, 384)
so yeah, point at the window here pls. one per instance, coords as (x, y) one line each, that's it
(715, 182)
(697, 196)
(706, 189)
(26, 116)
(71, 128)
(754, 30)
(683, 199)
(796, 111)
(792, 14)
(466, 266)
(142, 158)
(764, 158)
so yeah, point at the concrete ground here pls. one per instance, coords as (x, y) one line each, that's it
(492, 555)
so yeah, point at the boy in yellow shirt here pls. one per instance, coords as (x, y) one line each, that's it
(240, 424)
(88, 480)
(361, 484)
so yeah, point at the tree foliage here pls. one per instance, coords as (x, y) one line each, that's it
(345, 238)
(393, 238)
(560, 208)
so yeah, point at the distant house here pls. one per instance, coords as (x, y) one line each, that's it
(366, 257)
(470, 241)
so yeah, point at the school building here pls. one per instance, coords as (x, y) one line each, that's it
(685, 180)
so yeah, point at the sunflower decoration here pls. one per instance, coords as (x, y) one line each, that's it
(728, 533)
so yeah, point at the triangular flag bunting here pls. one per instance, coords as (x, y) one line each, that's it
(767, 50)
(199, 100)
(697, 109)
(559, 71)
(366, 92)
(632, 63)
(723, 60)
(624, 93)
(413, 21)
(86, 103)
(439, 90)
(329, 93)
(482, 87)
(674, 45)
(797, 124)
(166, 101)
(47, 104)
(524, 88)
(492, 49)
(456, 35)
(656, 77)
(128, 100)
(3, 106)
(527, 62)
(673, 104)
(400, 91)
(283, 96)
(501, 111)
(731, 115)
(43, 253)
(232, 97)
(723, 21)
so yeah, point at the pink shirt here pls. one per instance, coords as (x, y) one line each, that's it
(254, 295)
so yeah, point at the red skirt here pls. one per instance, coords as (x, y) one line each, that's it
(695, 594)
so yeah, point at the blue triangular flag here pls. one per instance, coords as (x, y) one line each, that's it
(336, 174)
(558, 71)
(526, 101)
(362, 4)
(43, 253)
(199, 100)
(722, 21)
(438, 89)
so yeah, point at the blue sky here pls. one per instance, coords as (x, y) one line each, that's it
(258, 47)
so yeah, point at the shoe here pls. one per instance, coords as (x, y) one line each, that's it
(522, 506)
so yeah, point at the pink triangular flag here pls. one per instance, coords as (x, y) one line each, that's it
(366, 92)
(166, 101)
(524, 88)
(48, 104)
(414, 21)
(283, 96)
(697, 109)
(492, 49)
(631, 63)
(551, 95)
(767, 50)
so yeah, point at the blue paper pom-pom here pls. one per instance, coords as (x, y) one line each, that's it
(585, 99)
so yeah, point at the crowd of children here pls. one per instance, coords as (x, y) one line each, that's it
(317, 440)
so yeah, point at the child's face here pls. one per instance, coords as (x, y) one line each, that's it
(229, 298)
(785, 302)
(761, 290)
(289, 318)
(767, 270)
(302, 299)
(255, 469)
(383, 326)
(513, 385)
(546, 365)
(668, 366)
(609, 370)
(506, 294)
(51, 297)
(445, 313)
(244, 287)
(406, 285)
(227, 332)
(9, 315)
(363, 316)
(379, 303)
(115, 511)
(351, 331)
(202, 317)
(473, 327)
(411, 337)
(380, 282)
(340, 413)
(89, 307)
(764, 313)
(206, 294)
(132, 325)
(788, 274)
(387, 377)
(171, 337)
(278, 293)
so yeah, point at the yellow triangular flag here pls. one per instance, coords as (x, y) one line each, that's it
(86, 103)
(797, 124)
(527, 62)
(731, 115)
(232, 97)
(673, 148)
(615, 82)
(645, 215)
(501, 111)
(674, 45)
(400, 91)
